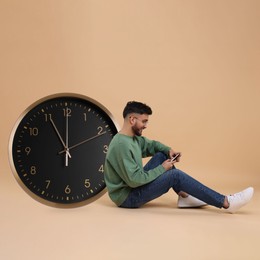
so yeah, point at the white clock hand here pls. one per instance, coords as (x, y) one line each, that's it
(57, 132)
(67, 139)
(84, 141)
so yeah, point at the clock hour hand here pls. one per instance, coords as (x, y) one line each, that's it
(82, 142)
(64, 145)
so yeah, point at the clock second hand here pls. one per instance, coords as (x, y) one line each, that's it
(84, 141)
(57, 132)
(67, 139)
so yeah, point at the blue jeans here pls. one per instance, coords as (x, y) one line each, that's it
(175, 179)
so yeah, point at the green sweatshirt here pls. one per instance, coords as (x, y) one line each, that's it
(124, 167)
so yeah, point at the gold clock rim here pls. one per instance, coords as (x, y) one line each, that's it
(10, 150)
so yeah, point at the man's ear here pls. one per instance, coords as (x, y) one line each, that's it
(131, 119)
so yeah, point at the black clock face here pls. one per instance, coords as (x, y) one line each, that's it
(58, 149)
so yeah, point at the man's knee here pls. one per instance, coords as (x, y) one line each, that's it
(161, 155)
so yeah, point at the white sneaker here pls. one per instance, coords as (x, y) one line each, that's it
(239, 199)
(190, 202)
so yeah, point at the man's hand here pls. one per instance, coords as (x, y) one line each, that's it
(168, 164)
(172, 153)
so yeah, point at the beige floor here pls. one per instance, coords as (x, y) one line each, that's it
(30, 230)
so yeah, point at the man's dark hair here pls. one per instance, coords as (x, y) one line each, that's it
(136, 107)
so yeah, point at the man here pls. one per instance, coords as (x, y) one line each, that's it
(130, 185)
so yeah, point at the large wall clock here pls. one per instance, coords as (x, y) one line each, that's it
(57, 149)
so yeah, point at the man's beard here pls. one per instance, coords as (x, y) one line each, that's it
(137, 131)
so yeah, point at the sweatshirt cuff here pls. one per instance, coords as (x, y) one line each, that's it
(161, 169)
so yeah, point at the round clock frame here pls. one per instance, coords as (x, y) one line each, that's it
(57, 149)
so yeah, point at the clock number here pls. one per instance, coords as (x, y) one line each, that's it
(101, 168)
(48, 184)
(33, 170)
(100, 129)
(33, 131)
(85, 116)
(67, 111)
(47, 117)
(27, 150)
(87, 183)
(67, 189)
(105, 148)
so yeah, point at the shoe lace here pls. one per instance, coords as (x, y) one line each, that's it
(235, 196)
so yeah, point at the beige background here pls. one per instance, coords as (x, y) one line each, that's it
(196, 63)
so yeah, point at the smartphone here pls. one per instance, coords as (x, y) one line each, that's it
(175, 157)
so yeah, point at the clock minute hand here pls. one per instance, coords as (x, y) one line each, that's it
(82, 142)
(57, 132)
